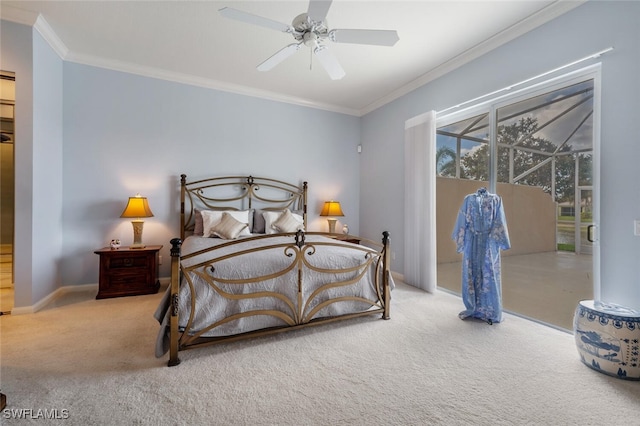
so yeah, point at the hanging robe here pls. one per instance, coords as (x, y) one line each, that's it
(480, 233)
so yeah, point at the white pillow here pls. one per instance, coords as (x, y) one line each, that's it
(228, 228)
(270, 218)
(211, 218)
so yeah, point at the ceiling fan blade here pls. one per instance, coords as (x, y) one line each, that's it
(318, 9)
(329, 62)
(279, 56)
(374, 37)
(249, 18)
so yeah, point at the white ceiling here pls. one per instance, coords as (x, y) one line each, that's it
(188, 41)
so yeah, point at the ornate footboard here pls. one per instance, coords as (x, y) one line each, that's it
(271, 283)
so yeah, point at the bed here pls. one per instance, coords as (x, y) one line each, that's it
(245, 266)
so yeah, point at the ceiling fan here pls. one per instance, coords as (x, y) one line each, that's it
(311, 29)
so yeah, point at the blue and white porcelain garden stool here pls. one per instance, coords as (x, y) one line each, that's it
(608, 338)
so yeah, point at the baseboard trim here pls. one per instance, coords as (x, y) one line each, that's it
(51, 297)
(397, 276)
(61, 292)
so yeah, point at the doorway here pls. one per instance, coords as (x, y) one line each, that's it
(537, 150)
(7, 189)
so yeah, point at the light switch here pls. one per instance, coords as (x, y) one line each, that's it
(636, 227)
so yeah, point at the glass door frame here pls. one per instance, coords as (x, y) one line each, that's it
(592, 72)
(580, 246)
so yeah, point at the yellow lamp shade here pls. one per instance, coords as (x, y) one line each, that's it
(137, 207)
(331, 208)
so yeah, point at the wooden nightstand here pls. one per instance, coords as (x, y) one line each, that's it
(347, 239)
(128, 272)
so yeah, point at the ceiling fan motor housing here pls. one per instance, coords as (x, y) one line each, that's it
(308, 31)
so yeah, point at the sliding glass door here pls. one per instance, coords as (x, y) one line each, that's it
(536, 149)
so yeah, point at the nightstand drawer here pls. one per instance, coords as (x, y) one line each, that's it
(347, 239)
(128, 278)
(120, 262)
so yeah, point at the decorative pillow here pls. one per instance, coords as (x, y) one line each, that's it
(228, 228)
(210, 218)
(270, 218)
(287, 223)
(198, 227)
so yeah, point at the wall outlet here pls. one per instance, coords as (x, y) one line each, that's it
(636, 227)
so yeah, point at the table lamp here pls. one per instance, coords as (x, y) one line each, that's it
(331, 208)
(137, 208)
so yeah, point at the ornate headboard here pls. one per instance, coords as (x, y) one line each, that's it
(238, 193)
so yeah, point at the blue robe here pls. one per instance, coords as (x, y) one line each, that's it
(480, 233)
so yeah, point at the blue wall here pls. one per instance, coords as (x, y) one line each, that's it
(47, 196)
(125, 134)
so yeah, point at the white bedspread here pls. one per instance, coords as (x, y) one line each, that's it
(212, 307)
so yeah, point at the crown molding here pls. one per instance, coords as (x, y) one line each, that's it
(516, 30)
(45, 30)
(202, 82)
(19, 16)
(37, 21)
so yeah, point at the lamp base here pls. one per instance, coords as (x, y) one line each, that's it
(332, 225)
(137, 234)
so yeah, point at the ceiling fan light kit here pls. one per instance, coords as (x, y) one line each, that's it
(311, 29)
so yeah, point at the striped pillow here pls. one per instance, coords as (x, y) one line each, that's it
(228, 228)
(287, 223)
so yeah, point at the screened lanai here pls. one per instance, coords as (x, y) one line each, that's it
(541, 165)
(544, 141)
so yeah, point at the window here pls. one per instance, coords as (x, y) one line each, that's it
(541, 141)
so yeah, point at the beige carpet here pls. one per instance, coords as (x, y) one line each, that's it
(93, 362)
